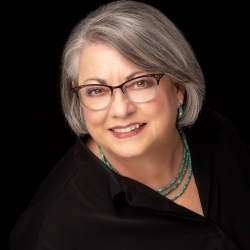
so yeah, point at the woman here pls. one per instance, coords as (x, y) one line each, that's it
(151, 168)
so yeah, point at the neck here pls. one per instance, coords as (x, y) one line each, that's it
(154, 169)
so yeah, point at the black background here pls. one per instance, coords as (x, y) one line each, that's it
(37, 134)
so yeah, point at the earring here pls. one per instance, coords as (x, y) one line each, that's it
(181, 112)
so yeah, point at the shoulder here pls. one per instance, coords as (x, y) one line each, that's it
(53, 188)
(57, 178)
(213, 138)
(211, 121)
(213, 126)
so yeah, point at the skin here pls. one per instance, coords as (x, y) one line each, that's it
(152, 154)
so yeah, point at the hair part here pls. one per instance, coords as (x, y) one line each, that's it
(144, 36)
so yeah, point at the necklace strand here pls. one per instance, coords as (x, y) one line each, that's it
(185, 165)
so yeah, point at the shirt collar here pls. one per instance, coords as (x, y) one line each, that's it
(108, 184)
(200, 139)
(95, 172)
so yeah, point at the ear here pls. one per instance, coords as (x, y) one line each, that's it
(180, 93)
(73, 84)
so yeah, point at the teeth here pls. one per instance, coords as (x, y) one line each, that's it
(126, 130)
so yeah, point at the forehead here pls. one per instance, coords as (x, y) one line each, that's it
(103, 59)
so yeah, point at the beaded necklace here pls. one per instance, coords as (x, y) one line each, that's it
(185, 165)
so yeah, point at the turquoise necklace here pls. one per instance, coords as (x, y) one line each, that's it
(185, 166)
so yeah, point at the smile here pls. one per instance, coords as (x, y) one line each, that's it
(128, 129)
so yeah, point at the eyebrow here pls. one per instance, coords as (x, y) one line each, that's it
(129, 77)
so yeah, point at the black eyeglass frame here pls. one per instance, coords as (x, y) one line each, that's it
(156, 76)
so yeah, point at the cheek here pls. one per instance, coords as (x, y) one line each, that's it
(94, 118)
(164, 109)
(167, 102)
(160, 111)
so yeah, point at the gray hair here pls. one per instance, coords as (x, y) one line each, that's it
(146, 37)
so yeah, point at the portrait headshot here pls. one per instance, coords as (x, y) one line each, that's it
(132, 128)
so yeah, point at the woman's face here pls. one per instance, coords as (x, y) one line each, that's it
(101, 63)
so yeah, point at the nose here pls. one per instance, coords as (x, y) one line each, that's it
(120, 106)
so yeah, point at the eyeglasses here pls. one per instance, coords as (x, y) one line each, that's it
(140, 89)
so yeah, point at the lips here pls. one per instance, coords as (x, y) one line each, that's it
(127, 129)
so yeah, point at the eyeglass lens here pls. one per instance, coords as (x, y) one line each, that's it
(139, 90)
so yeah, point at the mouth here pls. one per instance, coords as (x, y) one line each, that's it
(128, 129)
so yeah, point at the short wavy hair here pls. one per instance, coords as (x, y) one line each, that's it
(145, 36)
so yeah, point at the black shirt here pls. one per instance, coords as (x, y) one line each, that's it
(82, 204)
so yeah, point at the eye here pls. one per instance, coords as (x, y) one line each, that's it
(142, 83)
(95, 91)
